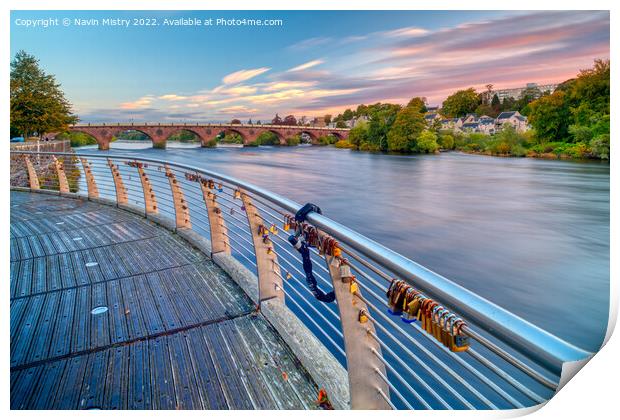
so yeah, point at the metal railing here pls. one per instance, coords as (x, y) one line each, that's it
(508, 362)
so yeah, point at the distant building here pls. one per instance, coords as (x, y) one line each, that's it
(430, 118)
(516, 93)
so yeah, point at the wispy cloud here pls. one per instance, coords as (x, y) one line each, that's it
(243, 75)
(397, 64)
(307, 65)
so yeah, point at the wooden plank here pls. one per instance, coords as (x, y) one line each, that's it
(115, 397)
(24, 280)
(24, 248)
(54, 280)
(80, 340)
(99, 323)
(18, 308)
(118, 319)
(161, 375)
(45, 328)
(24, 386)
(36, 247)
(92, 393)
(131, 309)
(67, 275)
(80, 269)
(94, 271)
(166, 307)
(68, 392)
(14, 277)
(39, 275)
(152, 318)
(49, 381)
(61, 340)
(139, 377)
(185, 385)
(27, 326)
(236, 394)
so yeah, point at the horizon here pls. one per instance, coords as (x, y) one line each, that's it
(316, 63)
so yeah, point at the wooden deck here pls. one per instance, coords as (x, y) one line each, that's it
(178, 333)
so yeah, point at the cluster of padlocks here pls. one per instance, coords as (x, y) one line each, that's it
(411, 305)
(325, 244)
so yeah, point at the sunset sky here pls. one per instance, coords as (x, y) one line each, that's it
(316, 63)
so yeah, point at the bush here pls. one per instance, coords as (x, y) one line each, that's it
(518, 150)
(427, 142)
(327, 140)
(446, 141)
(600, 146)
(369, 147)
(254, 143)
(267, 138)
(210, 143)
(293, 141)
(344, 144)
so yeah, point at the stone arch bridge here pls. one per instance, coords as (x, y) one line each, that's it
(159, 133)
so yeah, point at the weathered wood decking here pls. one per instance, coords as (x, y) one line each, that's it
(177, 333)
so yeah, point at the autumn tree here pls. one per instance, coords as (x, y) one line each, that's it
(276, 120)
(38, 104)
(289, 120)
(461, 103)
(235, 121)
(403, 133)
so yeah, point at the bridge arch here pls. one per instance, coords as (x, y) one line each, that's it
(279, 135)
(200, 138)
(314, 139)
(228, 131)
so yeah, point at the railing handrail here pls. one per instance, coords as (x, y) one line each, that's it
(532, 341)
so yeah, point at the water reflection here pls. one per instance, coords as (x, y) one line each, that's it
(530, 235)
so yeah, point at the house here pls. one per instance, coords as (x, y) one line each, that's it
(513, 118)
(486, 125)
(449, 123)
(431, 118)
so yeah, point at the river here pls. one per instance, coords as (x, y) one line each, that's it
(530, 235)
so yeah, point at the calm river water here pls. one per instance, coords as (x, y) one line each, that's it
(530, 235)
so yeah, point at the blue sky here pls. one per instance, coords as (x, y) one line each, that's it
(317, 62)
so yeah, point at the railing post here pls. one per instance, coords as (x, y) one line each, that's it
(93, 191)
(362, 363)
(121, 191)
(217, 225)
(267, 266)
(32, 174)
(63, 184)
(181, 209)
(150, 202)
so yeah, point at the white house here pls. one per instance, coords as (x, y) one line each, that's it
(514, 118)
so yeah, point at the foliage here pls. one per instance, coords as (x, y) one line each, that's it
(268, 138)
(235, 121)
(276, 120)
(327, 140)
(404, 132)
(294, 140)
(77, 139)
(382, 116)
(358, 135)
(427, 142)
(184, 136)
(289, 120)
(211, 143)
(232, 138)
(446, 141)
(460, 103)
(343, 144)
(577, 112)
(38, 105)
(600, 146)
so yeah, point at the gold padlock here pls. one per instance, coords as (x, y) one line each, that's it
(459, 342)
(362, 317)
(353, 287)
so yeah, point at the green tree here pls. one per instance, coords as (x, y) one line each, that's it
(427, 142)
(403, 133)
(550, 117)
(38, 105)
(382, 116)
(359, 135)
(418, 104)
(461, 103)
(446, 141)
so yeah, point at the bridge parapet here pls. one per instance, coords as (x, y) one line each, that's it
(160, 132)
(410, 337)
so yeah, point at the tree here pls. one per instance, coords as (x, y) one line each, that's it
(341, 124)
(461, 103)
(382, 116)
(347, 115)
(289, 120)
(359, 134)
(418, 104)
(250, 121)
(38, 105)
(550, 117)
(427, 142)
(403, 133)
(235, 121)
(258, 122)
(276, 120)
(327, 118)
